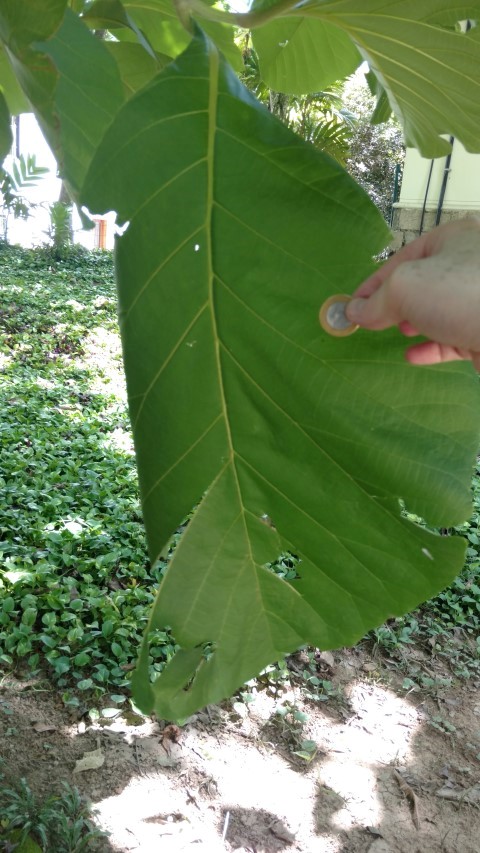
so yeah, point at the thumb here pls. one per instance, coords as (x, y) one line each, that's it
(371, 312)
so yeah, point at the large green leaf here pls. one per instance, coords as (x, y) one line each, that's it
(74, 86)
(429, 72)
(87, 95)
(136, 66)
(382, 111)
(167, 34)
(302, 55)
(22, 21)
(158, 19)
(285, 438)
(111, 15)
(10, 88)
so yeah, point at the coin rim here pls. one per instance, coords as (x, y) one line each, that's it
(322, 316)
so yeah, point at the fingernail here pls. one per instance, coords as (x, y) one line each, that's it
(354, 310)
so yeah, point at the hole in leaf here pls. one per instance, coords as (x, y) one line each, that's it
(161, 649)
(208, 650)
(286, 566)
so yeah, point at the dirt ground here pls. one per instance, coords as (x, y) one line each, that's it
(392, 771)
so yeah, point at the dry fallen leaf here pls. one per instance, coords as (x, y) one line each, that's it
(327, 658)
(90, 761)
(171, 732)
(41, 728)
(410, 796)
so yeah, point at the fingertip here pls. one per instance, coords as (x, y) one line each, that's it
(367, 312)
(430, 352)
(355, 310)
(424, 353)
(369, 286)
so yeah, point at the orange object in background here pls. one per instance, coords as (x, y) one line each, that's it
(100, 233)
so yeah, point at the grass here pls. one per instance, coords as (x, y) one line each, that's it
(76, 585)
(75, 581)
(448, 626)
(60, 822)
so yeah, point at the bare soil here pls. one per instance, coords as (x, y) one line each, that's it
(392, 771)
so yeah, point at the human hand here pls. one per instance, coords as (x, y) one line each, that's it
(431, 287)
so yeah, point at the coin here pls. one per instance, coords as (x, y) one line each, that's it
(333, 318)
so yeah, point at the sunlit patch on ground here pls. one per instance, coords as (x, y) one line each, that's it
(378, 734)
(120, 440)
(102, 354)
(234, 782)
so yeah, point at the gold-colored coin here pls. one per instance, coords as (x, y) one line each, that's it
(332, 316)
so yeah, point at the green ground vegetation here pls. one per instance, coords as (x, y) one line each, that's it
(76, 586)
(59, 822)
(447, 626)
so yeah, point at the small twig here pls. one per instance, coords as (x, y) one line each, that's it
(410, 796)
(135, 753)
(192, 799)
(225, 826)
(192, 749)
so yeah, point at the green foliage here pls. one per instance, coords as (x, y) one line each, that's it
(168, 34)
(24, 174)
(76, 587)
(136, 65)
(331, 136)
(289, 723)
(302, 55)
(12, 94)
(239, 389)
(319, 118)
(61, 822)
(419, 60)
(60, 227)
(374, 149)
(75, 93)
(75, 583)
(447, 626)
(237, 231)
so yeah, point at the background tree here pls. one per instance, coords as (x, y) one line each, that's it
(375, 150)
(339, 122)
(320, 118)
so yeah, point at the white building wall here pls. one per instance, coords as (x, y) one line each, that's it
(463, 183)
(419, 208)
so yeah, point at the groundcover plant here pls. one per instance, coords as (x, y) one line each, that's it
(283, 439)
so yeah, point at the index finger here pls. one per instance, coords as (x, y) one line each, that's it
(411, 252)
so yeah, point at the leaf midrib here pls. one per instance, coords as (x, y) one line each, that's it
(214, 68)
(214, 71)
